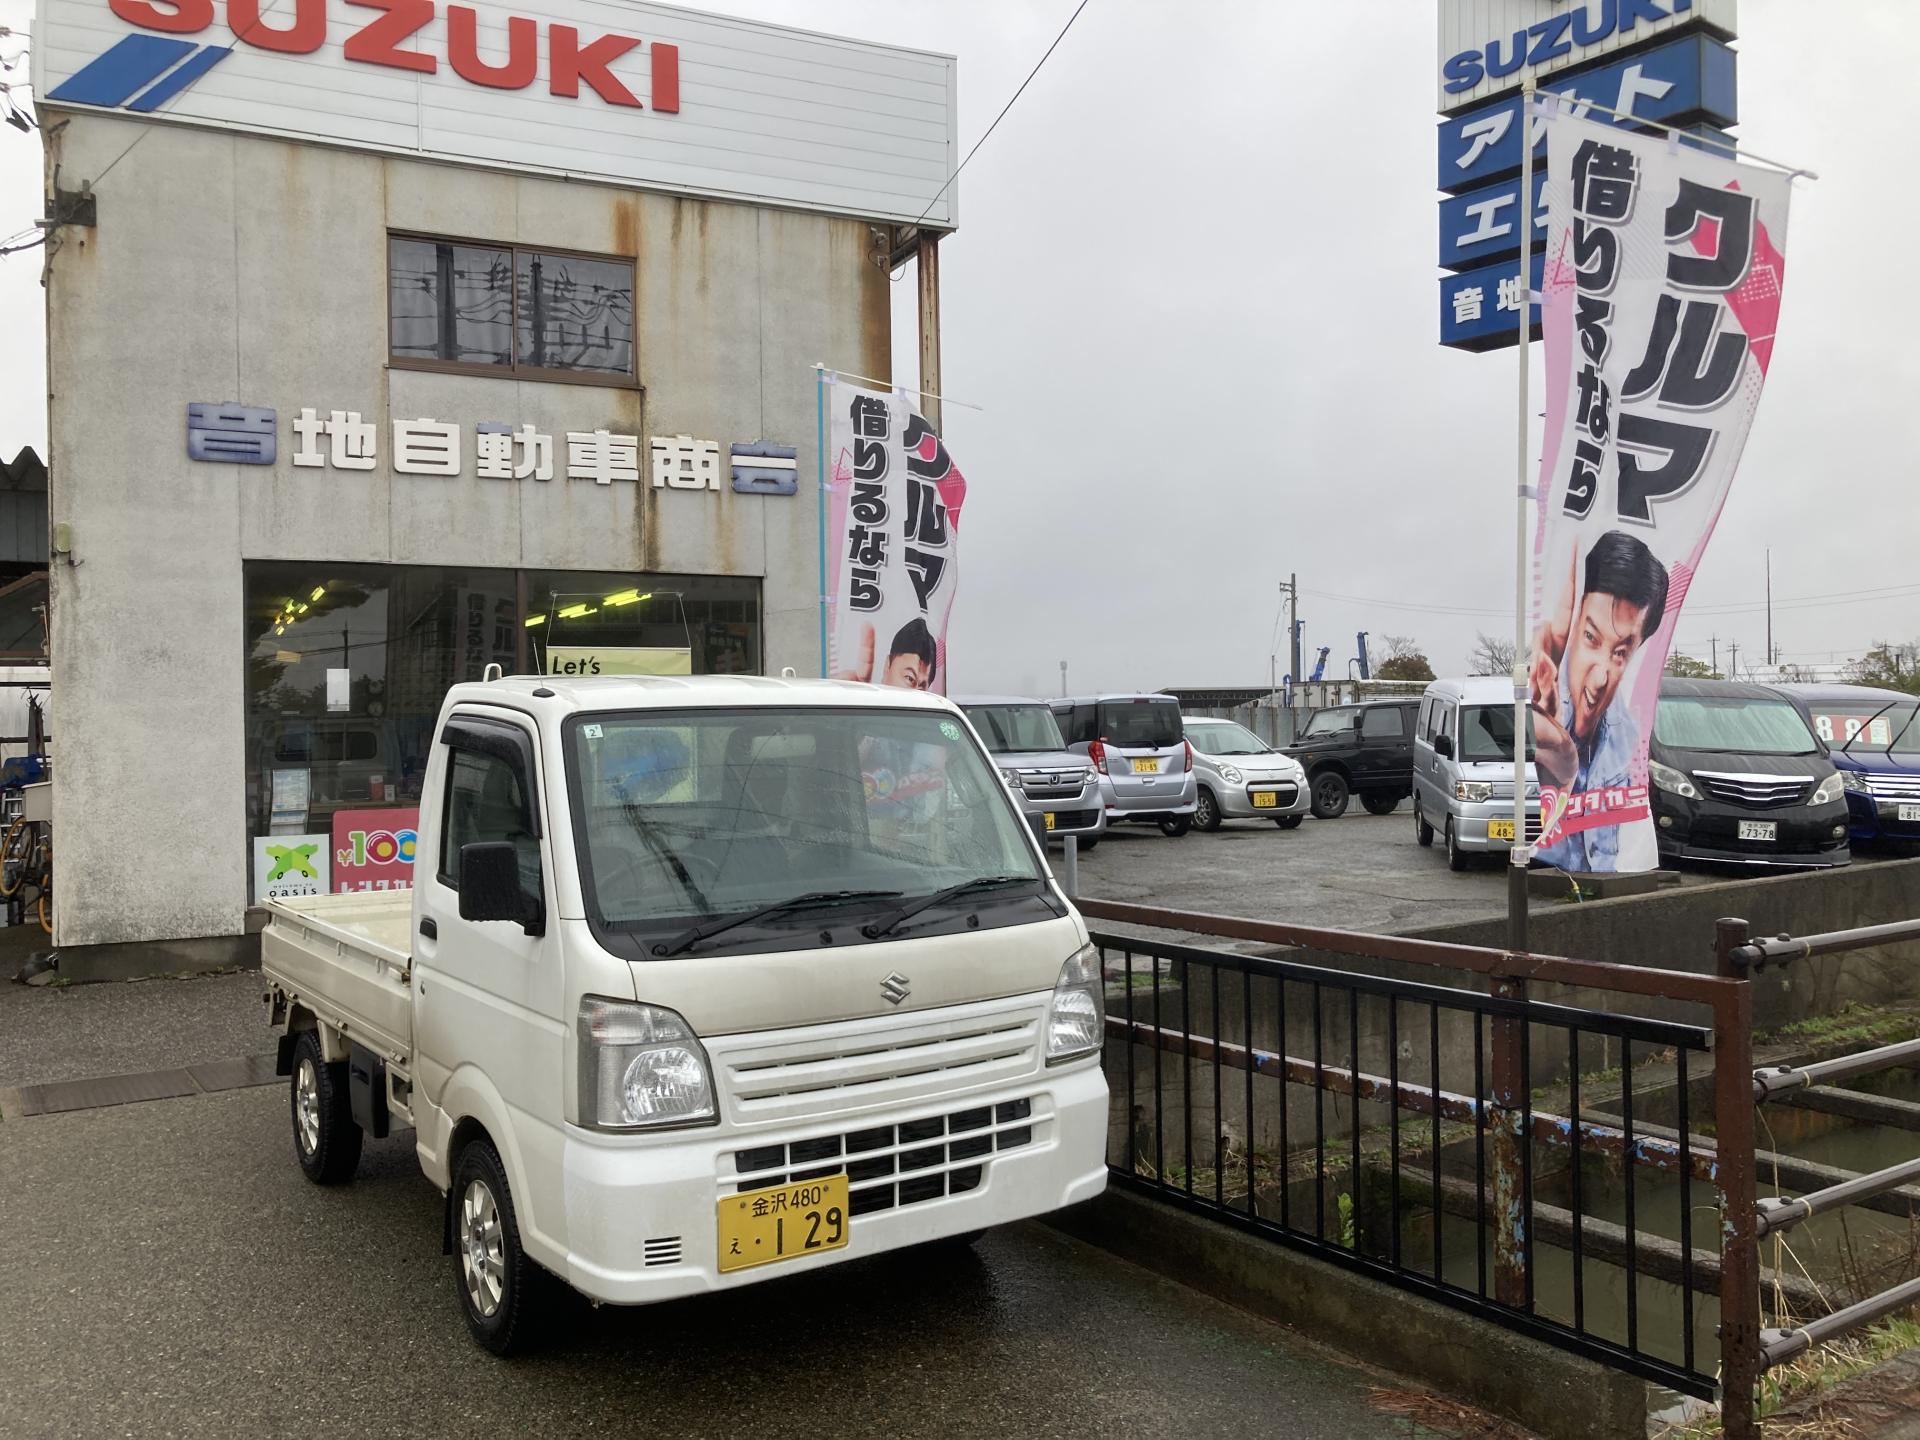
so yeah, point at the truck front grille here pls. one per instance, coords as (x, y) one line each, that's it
(857, 1069)
(892, 1165)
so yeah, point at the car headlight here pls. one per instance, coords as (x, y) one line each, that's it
(1828, 790)
(1472, 791)
(1855, 781)
(1076, 1017)
(1231, 775)
(1671, 780)
(1012, 777)
(640, 1065)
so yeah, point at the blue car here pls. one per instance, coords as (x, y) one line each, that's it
(1874, 739)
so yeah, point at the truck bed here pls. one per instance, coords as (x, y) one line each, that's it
(347, 958)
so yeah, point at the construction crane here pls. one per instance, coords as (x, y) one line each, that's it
(1360, 641)
(1320, 665)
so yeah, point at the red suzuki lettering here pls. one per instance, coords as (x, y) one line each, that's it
(463, 51)
(306, 35)
(569, 63)
(666, 79)
(177, 17)
(378, 41)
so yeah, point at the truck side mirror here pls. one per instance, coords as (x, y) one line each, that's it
(490, 887)
(1443, 746)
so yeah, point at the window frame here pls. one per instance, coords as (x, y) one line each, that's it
(499, 740)
(514, 370)
(1399, 732)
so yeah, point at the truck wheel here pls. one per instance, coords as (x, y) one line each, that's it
(326, 1142)
(1422, 832)
(1176, 825)
(1206, 811)
(1289, 822)
(496, 1282)
(1329, 795)
(1380, 804)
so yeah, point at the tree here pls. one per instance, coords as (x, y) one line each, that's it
(1491, 656)
(1685, 667)
(1892, 667)
(1405, 660)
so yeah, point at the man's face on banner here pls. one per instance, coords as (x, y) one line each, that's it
(1606, 633)
(907, 671)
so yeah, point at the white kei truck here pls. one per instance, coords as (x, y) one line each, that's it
(701, 981)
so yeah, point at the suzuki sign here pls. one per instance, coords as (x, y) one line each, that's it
(633, 94)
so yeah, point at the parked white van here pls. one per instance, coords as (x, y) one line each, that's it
(1463, 768)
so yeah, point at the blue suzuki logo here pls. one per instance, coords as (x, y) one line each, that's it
(141, 73)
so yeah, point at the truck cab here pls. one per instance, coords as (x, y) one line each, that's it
(700, 980)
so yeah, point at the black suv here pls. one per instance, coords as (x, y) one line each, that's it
(1364, 749)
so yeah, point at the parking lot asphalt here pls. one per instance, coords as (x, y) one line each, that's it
(170, 1272)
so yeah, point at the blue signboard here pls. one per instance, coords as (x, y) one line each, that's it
(1484, 224)
(1480, 309)
(1688, 79)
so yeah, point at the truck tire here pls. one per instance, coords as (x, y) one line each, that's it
(326, 1142)
(1422, 832)
(1380, 804)
(1176, 825)
(1456, 857)
(498, 1286)
(1329, 795)
(1289, 822)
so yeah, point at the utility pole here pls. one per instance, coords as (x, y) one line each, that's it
(1063, 679)
(1293, 626)
(1769, 605)
(1733, 667)
(1713, 641)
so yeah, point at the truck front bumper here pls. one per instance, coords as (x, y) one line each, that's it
(642, 1220)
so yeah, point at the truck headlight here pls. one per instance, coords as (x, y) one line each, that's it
(1231, 775)
(1828, 790)
(1076, 1018)
(1856, 781)
(1671, 780)
(640, 1065)
(1474, 792)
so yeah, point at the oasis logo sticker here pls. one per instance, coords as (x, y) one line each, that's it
(374, 849)
(290, 865)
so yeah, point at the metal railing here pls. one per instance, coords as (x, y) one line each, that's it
(1464, 1143)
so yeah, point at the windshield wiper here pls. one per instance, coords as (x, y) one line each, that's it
(874, 929)
(1847, 749)
(687, 939)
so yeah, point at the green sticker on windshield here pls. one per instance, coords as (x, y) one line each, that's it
(949, 729)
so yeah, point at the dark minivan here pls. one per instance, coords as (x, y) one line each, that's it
(1874, 739)
(1737, 777)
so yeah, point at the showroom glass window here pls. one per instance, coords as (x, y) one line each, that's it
(475, 308)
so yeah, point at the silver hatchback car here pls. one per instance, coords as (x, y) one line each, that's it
(1140, 754)
(1241, 777)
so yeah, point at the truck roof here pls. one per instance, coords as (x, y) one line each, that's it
(679, 692)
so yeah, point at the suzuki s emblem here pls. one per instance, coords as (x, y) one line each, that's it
(896, 987)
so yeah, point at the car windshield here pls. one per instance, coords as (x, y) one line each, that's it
(685, 815)
(1140, 724)
(1733, 724)
(1223, 737)
(1486, 733)
(1328, 722)
(1007, 728)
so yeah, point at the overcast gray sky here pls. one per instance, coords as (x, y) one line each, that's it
(1194, 293)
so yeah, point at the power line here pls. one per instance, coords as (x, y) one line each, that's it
(1003, 112)
(1798, 602)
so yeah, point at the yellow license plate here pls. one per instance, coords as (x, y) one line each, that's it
(783, 1222)
(1265, 800)
(1500, 830)
(1150, 766)
(1048, 817)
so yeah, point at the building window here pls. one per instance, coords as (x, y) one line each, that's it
(500, 310)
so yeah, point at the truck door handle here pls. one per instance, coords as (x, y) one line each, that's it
(429, 929)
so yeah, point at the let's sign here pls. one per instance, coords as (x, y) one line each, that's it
(624, 93)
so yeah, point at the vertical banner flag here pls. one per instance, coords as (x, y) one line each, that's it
(1660, 295)
(893, 528)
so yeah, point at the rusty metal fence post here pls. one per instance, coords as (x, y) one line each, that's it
(1740, 1363)
(1509, 1082)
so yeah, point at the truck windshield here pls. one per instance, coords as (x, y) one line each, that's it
(1732, 724)
(1486, 733)
(1009, 728)
(686, 815)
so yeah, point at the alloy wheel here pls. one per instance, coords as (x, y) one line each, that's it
(483, 1259)
(306, 1106)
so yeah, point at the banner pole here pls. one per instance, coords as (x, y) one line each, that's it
(820, 433)
(1521, 852)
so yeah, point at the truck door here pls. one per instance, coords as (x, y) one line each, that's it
(487, 992)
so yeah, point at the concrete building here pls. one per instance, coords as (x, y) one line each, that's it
(372, 363)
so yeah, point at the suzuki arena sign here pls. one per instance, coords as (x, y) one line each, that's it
(1489, 46)
(632, 94)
